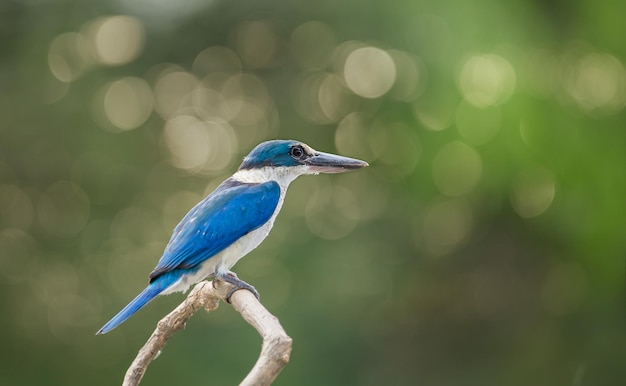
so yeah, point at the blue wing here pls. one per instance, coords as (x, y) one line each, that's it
(230, 212)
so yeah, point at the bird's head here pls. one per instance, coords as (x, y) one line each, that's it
(297, 158)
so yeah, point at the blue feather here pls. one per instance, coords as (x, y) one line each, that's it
(270, 153)
(230, 212)
(150, 292)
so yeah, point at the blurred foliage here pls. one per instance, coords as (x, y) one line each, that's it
(484, 245)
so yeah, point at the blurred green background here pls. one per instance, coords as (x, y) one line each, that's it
(485, 244)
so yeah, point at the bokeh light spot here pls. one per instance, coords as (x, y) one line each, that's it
(246, 104)
(411, 76)
(306, 97)
(128, 102)
(117, 40)
(216, 59)
(68, 56)
(487, 80)
(456, 169)
(352, 136)
(334, 99)
(244, 99)
(170, 91)
(533, 192)
(369, 72)
(206, 102)
(597, 83)
(200, 146)
(435, 110)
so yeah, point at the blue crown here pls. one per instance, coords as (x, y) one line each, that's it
(272, 153)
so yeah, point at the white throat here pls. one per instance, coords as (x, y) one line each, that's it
(282, 175)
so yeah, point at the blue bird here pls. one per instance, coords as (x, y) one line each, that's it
(233, 220)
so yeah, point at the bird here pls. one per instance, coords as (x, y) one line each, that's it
(232, 221)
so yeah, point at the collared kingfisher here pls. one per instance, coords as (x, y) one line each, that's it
(233, 220)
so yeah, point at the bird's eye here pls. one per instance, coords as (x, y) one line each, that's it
(296, 152)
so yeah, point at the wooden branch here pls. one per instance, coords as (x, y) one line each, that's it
(275, 349)
(276, 343)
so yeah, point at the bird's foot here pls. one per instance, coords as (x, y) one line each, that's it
(231, 277)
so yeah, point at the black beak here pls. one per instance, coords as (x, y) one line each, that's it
(331, 163)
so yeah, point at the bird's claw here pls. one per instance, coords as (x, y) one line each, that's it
(232, 278)
(247, 286)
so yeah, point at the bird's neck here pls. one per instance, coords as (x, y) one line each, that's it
(282, 175)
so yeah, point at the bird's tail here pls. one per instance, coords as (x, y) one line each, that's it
(152, 290)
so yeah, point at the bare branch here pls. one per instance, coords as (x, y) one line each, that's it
(202, 295)
(276, 346)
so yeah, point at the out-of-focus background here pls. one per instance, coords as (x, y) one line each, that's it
(485, 244)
